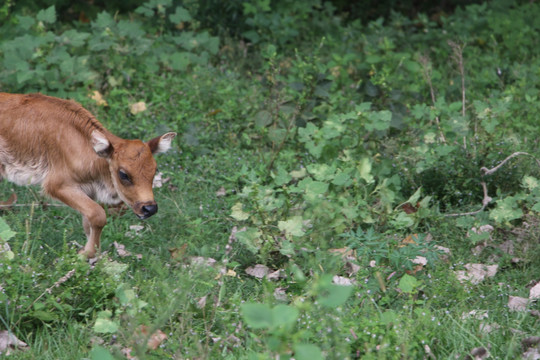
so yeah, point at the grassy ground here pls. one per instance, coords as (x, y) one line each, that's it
(280, 164)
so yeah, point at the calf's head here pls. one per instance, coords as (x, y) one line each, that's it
(132, 167)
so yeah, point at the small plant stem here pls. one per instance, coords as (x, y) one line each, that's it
(426, 70)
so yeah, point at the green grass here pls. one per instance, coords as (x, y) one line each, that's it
(315, 184)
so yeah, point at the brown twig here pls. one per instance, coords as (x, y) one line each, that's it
(487, 199)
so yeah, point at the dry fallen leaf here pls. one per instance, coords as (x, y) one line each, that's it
(10, 341)
(5, 205)
(516, 303)
(201, 303)
(202, 261)
(137, 107)
(280, 294)
(340, 280)
(121, 249)
(155, 339)
(275, 275)
(475, 314)
(157, 182)
(127, 353)
(409, 240)
(478, 353)
(534, 293)
(475, 273)
(344, 252)
(259, 271)
(98, 98)
(230, 273)
(419, 260)
(178, 253)
(221, 192)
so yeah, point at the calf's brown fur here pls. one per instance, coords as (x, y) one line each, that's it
(59, 145)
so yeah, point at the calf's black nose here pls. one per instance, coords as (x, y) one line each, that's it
(149, 210)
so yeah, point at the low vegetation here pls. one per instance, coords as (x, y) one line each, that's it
(340, 188)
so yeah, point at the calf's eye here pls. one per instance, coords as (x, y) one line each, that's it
(124, 176)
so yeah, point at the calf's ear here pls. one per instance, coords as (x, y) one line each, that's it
(161, 143)
(101, 144)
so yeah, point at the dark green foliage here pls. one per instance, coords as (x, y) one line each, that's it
(321, 148)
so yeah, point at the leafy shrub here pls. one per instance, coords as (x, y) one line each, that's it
(38, 57)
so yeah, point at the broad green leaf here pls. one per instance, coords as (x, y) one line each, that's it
(314, 188)
(282, 177)
(307, 352)
(364, 168)
(322, 172)
(507, 210)
(105, 326)
(414, 198)
(47, 15)
(283, 315)
(263, 118)
(238, 213)
(408, 283)
(180, 15)
(388, 317)
(293, 226)
(5, 231)
(530, 182)
(100, 353)
(333, 295)
(402, 220)
(114, 268)
(342, 178)
(251, 239)
(44, 316)
(257, 316)
(277, 135)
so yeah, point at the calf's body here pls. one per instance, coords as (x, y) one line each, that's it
(59, 145)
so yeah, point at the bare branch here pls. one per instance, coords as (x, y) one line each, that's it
(485, 201)
(487, 171)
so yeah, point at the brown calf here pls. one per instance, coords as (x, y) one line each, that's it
(58, 144)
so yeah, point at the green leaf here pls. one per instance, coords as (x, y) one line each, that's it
(257, 316)
(5, 231)
(47, 15)
(364, 168)
(293, 226)
(251, 239)
(44, 316)
(114, 268)
(408, 283)
(388, 317)
(180, 15)
(333, 295)
(284, 315)
(307, 352)
(282, 177)
(237, 212)
(100, 353)
(105, 326)
(342, 179)
(263, 118)
(507, 210)
(530, 183)
(414, 198)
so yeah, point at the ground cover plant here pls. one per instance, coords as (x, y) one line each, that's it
(341, 188)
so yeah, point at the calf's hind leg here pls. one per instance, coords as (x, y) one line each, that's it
(94, 217)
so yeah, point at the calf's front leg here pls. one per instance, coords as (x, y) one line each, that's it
(94, 217)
